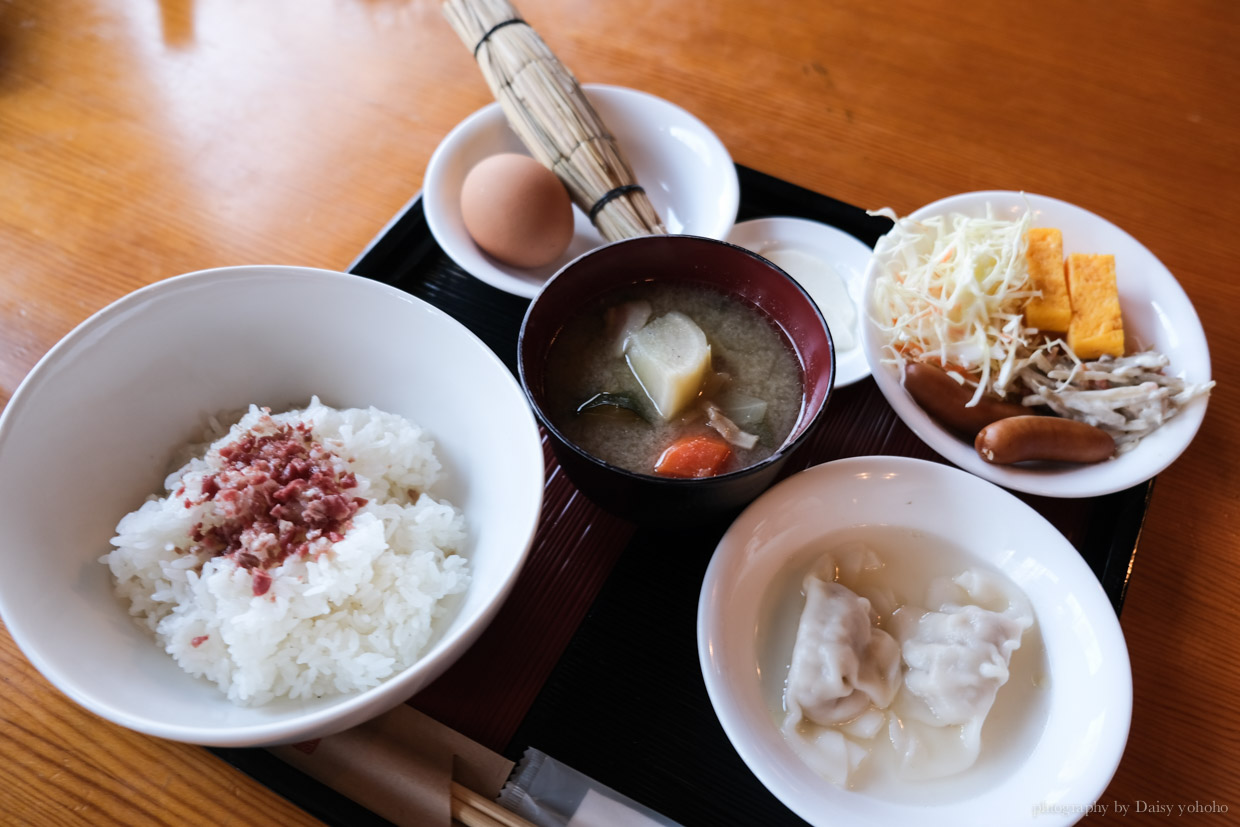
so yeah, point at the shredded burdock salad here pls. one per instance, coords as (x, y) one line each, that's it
(953, 293)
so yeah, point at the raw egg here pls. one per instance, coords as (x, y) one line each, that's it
(517, 210)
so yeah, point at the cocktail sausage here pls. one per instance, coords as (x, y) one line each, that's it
(945, 400)
(1046, 438)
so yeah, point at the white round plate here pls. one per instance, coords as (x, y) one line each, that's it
(1065, 759)
(683, 166)
(840, 250)
(1157, 313)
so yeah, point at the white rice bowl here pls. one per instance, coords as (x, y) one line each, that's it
(95, 428)
(334, 622)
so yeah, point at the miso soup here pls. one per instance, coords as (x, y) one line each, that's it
(626, 380)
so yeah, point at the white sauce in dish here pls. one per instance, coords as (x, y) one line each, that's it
(825, 286)
(886, 751)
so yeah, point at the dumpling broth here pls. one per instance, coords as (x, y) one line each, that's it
(911, 559)
(745, 344)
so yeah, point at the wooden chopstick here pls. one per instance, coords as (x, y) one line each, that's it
(475, 810)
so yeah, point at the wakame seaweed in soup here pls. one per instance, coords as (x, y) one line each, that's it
(678, 380)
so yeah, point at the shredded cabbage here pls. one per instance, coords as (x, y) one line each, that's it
(952, 291)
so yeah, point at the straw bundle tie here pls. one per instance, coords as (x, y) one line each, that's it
(510, 21)
(614, 193)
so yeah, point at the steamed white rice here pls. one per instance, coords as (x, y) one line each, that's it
(332, 622)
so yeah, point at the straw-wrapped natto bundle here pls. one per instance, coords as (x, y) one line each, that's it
(547, 109)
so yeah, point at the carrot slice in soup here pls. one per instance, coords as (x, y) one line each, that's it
(693, 456)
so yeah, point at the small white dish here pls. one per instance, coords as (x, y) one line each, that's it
(1157, 313)
(91, 431)
(846, 254)
(684, 167)
(1068, 752)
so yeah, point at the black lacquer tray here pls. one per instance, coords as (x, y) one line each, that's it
(594, 659)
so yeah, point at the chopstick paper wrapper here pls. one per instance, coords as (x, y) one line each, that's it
(552, 794)
(409, 769)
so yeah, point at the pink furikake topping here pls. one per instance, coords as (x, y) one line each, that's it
(279, 492)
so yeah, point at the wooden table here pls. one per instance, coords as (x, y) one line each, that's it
(143, 140)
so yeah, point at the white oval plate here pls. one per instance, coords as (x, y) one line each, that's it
(846, 253)
(683, 166)
(1071, 759)
(1157, 313)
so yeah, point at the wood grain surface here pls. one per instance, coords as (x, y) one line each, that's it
(140, 140)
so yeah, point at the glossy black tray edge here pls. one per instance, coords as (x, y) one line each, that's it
(407, 240)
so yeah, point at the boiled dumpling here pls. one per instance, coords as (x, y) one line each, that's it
(897, 684)
(826, 751)
(844, 671)
(841, 662)
(958, 659)
(957, 656)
